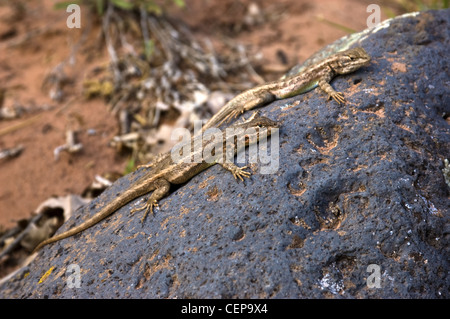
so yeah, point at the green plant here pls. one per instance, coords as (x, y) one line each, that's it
(130, 167)
(99, 5)
(421, 5)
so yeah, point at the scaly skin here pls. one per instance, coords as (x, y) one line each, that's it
(318, 75)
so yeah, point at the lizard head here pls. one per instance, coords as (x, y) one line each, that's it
(250, 129)
(257, 121)
(350, 60)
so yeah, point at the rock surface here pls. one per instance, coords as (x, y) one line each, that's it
(359, 192)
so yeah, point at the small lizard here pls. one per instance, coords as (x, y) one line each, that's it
(167, 172)
(319, 74)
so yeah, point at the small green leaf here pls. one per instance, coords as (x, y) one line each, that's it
(130, 167)
(122, 4)
(180, 3)
(152, 7)
(65, 4)
(149, 47)
(100, 5)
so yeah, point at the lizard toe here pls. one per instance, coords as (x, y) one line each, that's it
(339, 98)
(149, 209)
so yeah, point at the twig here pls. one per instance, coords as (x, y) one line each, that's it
(144, 29)
(16, 241)
(25, 38)
(336, 25)
(34, 118)
(248, 66)
(20, 125)
(11, 152)
(111, 51)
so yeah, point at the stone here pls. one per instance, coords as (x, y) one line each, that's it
(358, 207)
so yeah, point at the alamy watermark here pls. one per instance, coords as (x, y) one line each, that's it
(375, 17)
(74, 19)
(374, 279)
(73, 274)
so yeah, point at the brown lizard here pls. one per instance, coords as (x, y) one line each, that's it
(319, 74)
(166, 172)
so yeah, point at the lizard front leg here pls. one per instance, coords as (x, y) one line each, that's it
(162, 187)
(327, 88)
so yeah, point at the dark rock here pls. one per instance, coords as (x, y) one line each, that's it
(359, 189)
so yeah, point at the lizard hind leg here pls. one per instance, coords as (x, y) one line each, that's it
(161, 190)
(148, 206)
(238, 172)
(259, 99)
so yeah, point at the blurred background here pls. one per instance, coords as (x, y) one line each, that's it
(87, 95)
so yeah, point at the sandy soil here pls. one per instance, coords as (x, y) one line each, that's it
(285, 32)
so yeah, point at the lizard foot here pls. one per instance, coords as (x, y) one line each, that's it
(239, 172)
(338, 97)
(148, 208)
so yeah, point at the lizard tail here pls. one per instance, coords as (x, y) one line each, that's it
(90, 222)
(102, 214)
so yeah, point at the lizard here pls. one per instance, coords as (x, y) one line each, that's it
(167, 172)
(320, 74)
